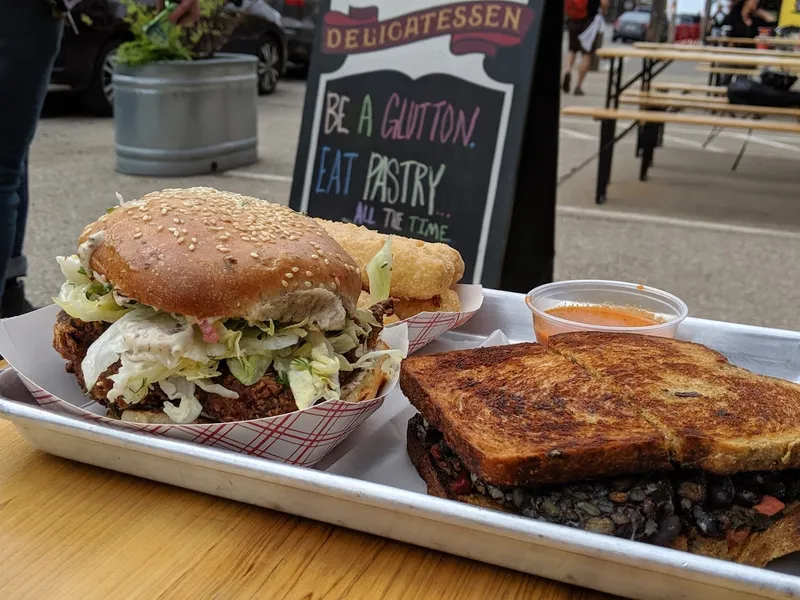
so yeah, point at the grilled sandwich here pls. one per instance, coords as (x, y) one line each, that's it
(646, 438)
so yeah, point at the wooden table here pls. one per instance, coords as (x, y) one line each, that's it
(714, 50)
(669, 55)
(68, 530)
(773, 41)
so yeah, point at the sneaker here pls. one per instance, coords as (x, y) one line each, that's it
(14, 301)
(565, 85)
(579, 92)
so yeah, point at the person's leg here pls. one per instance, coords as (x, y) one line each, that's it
(568, 71)
(586, 63)
(574, 46)
(29, 40)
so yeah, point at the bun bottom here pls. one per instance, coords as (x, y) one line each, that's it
(757, 549)
(364, 386)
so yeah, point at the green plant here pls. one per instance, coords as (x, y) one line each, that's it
(200, 40)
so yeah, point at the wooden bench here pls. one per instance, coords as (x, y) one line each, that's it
(726, 70)
(713, 104)
(687, 88)
(650, 123)
(676, 97)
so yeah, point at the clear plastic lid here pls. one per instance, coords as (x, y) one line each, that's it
(666, 308)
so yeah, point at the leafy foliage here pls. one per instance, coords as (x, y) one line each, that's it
(200, 40)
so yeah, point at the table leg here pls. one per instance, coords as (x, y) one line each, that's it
(649, 140)
(608, 130)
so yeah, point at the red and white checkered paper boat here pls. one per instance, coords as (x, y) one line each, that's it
(427, 326)
(301, 438)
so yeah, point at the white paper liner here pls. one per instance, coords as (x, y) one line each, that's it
(387, 461)
(425, 327)
(301, 438)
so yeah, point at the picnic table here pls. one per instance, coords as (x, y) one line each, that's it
(770, 40)
(655, 113)
(70, 530)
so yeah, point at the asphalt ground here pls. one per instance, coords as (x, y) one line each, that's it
(726, 242)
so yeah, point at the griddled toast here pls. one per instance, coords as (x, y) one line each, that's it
(520, 413)
(717, 417)
(537, 432)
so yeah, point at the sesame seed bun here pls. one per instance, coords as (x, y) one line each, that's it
(204, 253)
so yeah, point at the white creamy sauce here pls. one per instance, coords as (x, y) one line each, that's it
(87, 248)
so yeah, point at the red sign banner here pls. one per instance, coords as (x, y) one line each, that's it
(473, 26)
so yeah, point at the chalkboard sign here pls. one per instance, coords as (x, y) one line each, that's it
(414, 118)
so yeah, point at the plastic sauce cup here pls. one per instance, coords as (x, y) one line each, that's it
(593, 292)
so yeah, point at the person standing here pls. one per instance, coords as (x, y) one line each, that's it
(30, 36)
(745, 19)
(580, 15)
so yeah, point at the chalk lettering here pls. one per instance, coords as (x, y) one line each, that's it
(428, 229)
(334, 183)
(365, 215)
(323, 152)
(365, 118)
(393, 219)
(418, 186)
(405, 119)
(334, 113)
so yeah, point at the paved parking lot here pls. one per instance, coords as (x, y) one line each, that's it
(727, 242)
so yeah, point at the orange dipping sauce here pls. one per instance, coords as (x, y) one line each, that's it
(605, 315)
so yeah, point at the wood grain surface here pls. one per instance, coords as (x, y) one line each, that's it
(746, 60)
(68, 530)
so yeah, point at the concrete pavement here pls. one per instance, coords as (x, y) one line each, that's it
(727, 243)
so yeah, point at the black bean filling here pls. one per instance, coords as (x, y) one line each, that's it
(653, 507)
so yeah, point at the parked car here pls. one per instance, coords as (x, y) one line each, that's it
(632, 26)
(299, 20)
(85, 62)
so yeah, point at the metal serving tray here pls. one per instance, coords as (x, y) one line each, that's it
(368, 483)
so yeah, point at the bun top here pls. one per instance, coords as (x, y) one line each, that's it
(204, 253)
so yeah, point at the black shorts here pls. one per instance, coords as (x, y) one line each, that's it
(574, 29)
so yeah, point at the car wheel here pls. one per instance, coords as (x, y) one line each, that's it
(99, 98)
(269, 66)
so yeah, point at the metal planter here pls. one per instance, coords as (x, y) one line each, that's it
(178, 118)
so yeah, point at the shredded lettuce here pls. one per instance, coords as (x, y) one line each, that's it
(158, 350)
(85, 298)
(250, 369)
(379, 271)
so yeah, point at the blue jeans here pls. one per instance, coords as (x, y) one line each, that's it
(29, 40)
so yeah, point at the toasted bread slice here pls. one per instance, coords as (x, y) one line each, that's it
(757, 549)
(519, 414)
(717, 417)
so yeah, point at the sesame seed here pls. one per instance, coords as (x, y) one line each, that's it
(308, 284)
(327, 262)
(289, 275)
(172, 229)
(176, 220)
(191, 246)
(137, 235)
(164, 210)
(284, 283)
(292, 238)
(254, 254)
(314, 256)
(143, 207)
(194, 240)
(295, 269)
(336, 279)
(181, 240)
(309, 274)
(223, 249)
(176, 233)
(146, 218)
